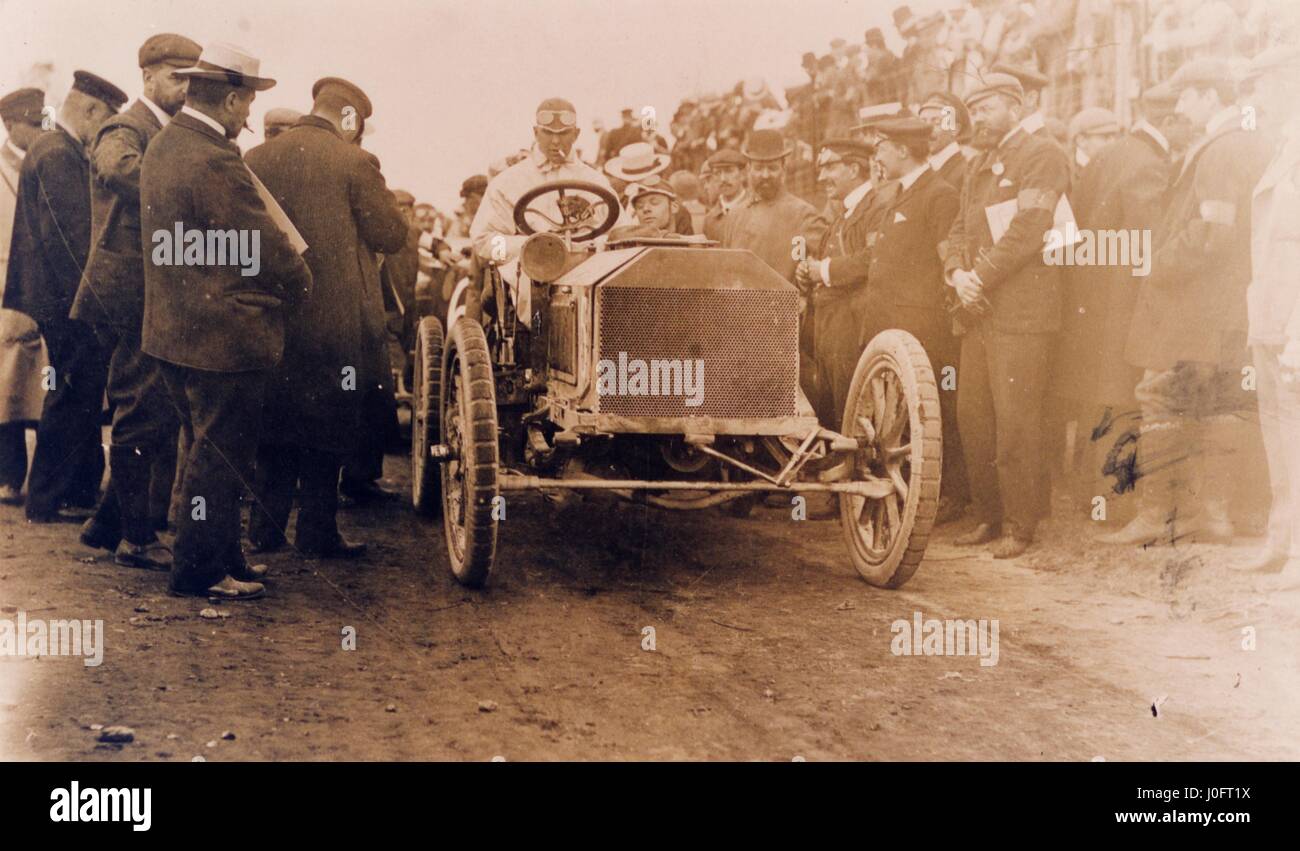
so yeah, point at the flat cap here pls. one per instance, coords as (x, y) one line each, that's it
(341, 91)
(726, 157)
(22, 105)
(170, 49)
(98, 88)
(1195, 73)
(995, 84)
(1281, 58)
(942, 100)
(903, 129)
(1031, 80)
(281, 116)
(474, 185)
(852, 150)
(652, 185)
(404, 198)
(1094, 119)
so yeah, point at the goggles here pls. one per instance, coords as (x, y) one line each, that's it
(563, 116)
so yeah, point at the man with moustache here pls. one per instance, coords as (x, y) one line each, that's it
(51, 239)
(1189, 327)
(216, 331)
(837, 277)
(950, 120)
(335, 194)
(1011, 308)
(771, 219)
(22, 352)
(111, 298)
(905, 287)
(727, 174)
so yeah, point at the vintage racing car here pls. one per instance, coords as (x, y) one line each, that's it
(665, 371)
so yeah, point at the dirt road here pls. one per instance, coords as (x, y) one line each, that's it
(766, 646)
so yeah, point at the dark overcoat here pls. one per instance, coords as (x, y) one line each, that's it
(112, 288)
(51, 228)
(1192, 307)
(335, 194)
(212, 317)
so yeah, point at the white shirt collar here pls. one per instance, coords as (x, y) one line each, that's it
(157, 111)
(1221, 119)
(1013, 131)
(939, 160)
(912, 176)
(1032, 123)
(1148, 128)
(854, 198)
(206, 119)
(1081, 158)
(16, 151)
(544, 165)
(728, 206)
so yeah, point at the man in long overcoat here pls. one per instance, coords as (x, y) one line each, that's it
(334, 193)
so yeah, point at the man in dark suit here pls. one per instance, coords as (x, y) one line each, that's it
(50, 241)
(111, 299)
(1188, 333)
(216, 325)
(335, 194)
(1012, 306)
(950, 121)
(905, 286)
(728, 170)
(1121, 190)
(837, 277)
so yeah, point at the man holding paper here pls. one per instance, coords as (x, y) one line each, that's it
(216, 329)
(1011, 304)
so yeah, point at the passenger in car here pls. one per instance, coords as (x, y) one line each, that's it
(655, 206)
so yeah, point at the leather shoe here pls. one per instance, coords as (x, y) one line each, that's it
(1009, 546)
(154, 555)
(228, 588)
(95, 536)
(250, 572)
(364, 493)
(981, 534)
(340, 547)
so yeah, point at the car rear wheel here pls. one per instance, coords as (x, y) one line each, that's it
(894, 401)
(469, 475)
(426, 396)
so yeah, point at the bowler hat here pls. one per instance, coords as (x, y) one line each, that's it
(229, 64)
(765, 146)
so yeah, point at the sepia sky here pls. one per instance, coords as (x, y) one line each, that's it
(453, 83)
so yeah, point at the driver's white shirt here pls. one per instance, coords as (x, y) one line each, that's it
(495, 215)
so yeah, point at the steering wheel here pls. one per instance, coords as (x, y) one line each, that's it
(577, 213)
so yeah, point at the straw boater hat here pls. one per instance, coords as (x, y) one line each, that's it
(227, 63)
(637, 161)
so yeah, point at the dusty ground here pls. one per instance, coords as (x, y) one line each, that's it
(767, 646)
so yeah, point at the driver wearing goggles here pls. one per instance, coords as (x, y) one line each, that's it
(555, 130)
